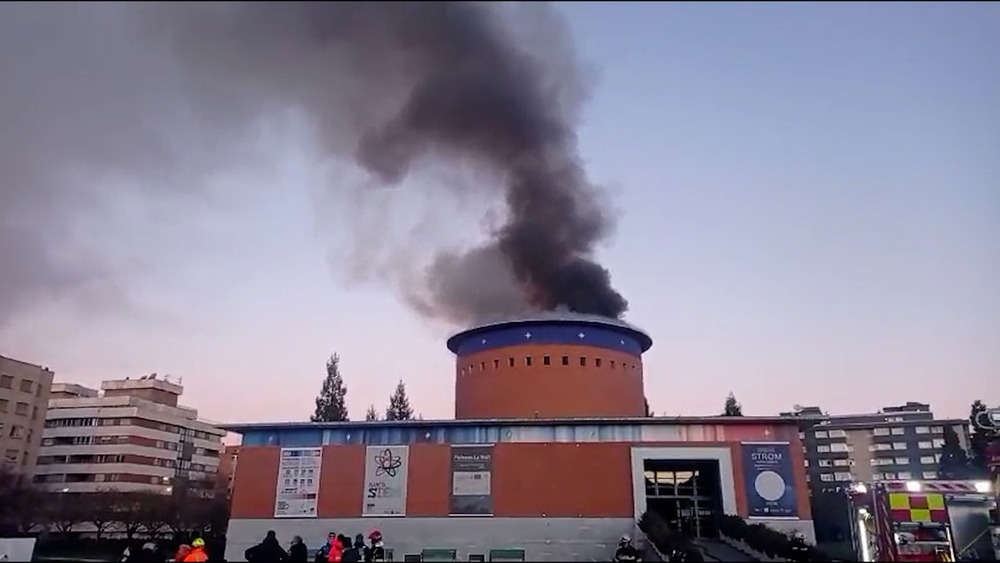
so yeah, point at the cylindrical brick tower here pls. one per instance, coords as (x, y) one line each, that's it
(552, 366)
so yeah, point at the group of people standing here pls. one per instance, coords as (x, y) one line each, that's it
(338, 548)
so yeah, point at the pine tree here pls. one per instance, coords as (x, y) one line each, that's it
(399, 405)
(980, 439)
(331, 403)
(648, 412)
(372, 414)
(954, 462)
(733, 407)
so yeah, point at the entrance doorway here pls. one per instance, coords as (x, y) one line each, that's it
(685, 493)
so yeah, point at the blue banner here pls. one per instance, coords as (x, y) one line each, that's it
(769, 475)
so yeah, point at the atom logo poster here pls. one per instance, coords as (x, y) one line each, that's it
(385, 480)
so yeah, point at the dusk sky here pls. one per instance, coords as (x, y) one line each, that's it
(808, 204)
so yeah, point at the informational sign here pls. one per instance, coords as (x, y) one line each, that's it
(298, 482)
(769, 475)
(471, 480)
(385, 480)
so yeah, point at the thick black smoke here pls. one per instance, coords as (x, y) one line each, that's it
(398, 84)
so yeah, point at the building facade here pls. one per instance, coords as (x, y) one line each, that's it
(896, 443)
(131, 437)
(548, 453)
(24, 397)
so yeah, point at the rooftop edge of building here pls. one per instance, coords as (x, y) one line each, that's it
(554, 317)
(582, 421)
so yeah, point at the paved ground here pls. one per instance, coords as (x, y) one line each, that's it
(719, 551)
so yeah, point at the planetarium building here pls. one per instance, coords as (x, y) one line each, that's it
(550, 455)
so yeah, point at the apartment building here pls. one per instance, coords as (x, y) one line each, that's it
(133, 436)
(24, 396)
(902, 442)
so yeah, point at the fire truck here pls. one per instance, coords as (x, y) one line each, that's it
(924, 520)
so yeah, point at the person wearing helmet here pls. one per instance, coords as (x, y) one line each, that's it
(376, 552)
(197, 554)
(626, 551)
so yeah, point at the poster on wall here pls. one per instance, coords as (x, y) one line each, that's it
(471, 480)
(385, 480)
(298, 482)
(769, 476)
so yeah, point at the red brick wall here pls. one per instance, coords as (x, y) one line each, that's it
(256, 481)
(567, 480)
(341, 481)
(589, 479)
(486, 386)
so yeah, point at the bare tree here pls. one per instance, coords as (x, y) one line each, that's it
(101, 510)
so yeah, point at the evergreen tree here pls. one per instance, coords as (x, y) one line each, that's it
(980, 439)
(331, 403)
(954, 462)
(733, 407)
(399, 405)
(648, 412)
(372, 414)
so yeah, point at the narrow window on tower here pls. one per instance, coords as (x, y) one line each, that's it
(565, 360)
(583, 361)
(546, 360)
(511, 361)
(597, 362)
(496, 364)
(482, 366)
(527, 360)
(612, 364)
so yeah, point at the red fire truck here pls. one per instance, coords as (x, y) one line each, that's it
(920, 520)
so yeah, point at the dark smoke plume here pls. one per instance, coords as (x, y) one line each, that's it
(396, 85)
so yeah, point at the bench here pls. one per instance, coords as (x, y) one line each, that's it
(434, 554)
(508, 554)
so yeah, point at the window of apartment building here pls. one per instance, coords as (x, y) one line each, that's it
(842, 477)
(3, 405)
(48, 441)
(16, 431)
(930, 474)
(840, 447)
(897, 431)
(904, 475)
(821, 434)
(894, 419)
(21, 409)
(937, 429)
(902, 461)
(925, 445)
(825, 463)
(27, 386)
(6, 381)
(805, 462)
(823, 449)
(826, 477)
(802, 435)
(838, 433)
(899, 445)
(880, 432)
(843, 462)
(882, 461)
(889, 476)
(927, 459)
(10, 456)
(922, 430)
(938, 442)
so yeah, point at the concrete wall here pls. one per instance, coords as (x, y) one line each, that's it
(543, 539)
